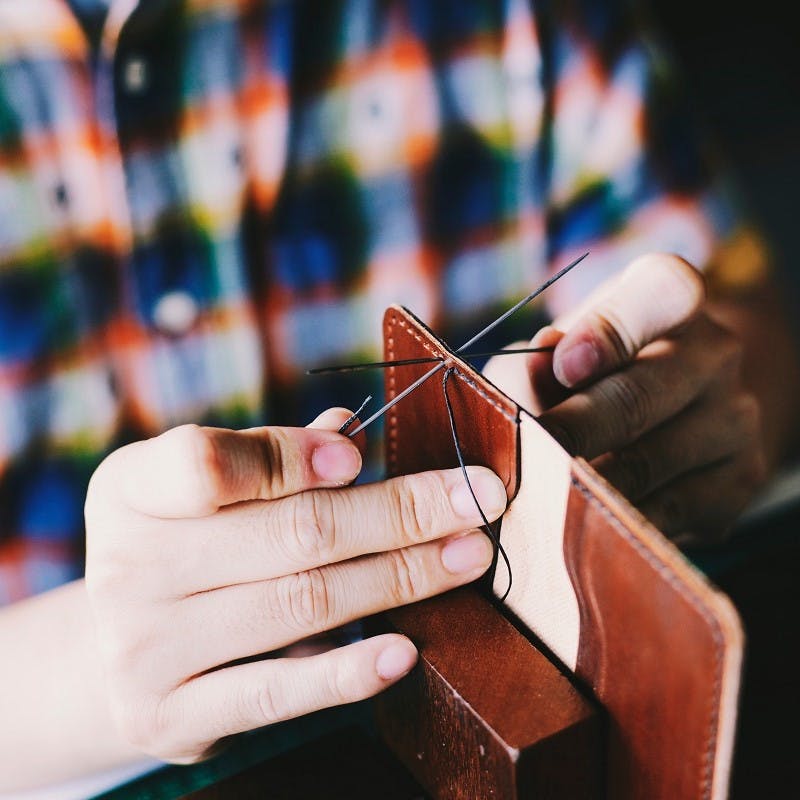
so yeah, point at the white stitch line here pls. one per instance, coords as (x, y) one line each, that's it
(426, 346)
(666, 572)
(511, 466)
(489, 399)
(392, 455)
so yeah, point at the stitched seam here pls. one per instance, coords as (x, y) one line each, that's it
(391, 391)
(434, 352)
(489, 399)
(666, 573)
(392, 384)
(511, 466)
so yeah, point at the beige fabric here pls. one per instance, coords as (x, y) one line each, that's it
(533, 537)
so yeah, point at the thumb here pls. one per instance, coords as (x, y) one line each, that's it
(332, 420)
(546, 389)
(192, 471)
(655, 296)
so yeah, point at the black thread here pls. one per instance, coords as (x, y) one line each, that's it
(408, 362)
(405, 362)
(354, 416)
(487, 528)
(490, 327)
(525, 300)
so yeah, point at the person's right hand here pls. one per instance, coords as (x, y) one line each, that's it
(208, 546)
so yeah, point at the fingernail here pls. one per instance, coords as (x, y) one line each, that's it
(337, 462)
(396, 660)
(467, 554)
(489, 491)
(576, 364)
(547, 337)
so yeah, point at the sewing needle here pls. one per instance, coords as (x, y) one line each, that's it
(490, 327)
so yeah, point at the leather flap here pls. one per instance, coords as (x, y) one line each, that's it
(607, 593)
(418, 428)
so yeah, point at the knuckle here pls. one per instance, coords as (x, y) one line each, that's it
(570, 437)
(635, 471)
(403, 583)
(339, 685)
(313, 529)
(691, 281)
(612, 329)
(305, 602)
(634, 403)
(274, 462)
(413, 497)
(198, 449)
(264, 704)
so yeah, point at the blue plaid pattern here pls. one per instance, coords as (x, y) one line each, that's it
(218, 194)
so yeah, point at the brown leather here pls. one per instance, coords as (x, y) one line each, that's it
(659, 647)
(418, 429)
(486, 714)
(652, 646)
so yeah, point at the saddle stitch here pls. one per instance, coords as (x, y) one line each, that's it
(665, 572)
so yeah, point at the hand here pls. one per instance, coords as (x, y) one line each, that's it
(646, 386)
(208, 546)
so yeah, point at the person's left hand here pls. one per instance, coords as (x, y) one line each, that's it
(648, 388)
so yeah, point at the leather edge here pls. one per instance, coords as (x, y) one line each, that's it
(710, 601)
(464, 371)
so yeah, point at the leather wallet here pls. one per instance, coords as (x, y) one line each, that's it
(615, 602)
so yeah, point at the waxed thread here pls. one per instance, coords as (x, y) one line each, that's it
(487, 527)
(344, 429)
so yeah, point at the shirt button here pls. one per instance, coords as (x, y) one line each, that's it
(175, 313)
(135, 75)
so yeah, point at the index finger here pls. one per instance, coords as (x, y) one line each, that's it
(259, 541)
(656, 295)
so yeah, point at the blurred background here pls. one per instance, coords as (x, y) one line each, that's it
(741, 66)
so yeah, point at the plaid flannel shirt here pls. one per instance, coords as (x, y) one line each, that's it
(201, 199)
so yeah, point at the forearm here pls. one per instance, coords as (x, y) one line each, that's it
(54, 715)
